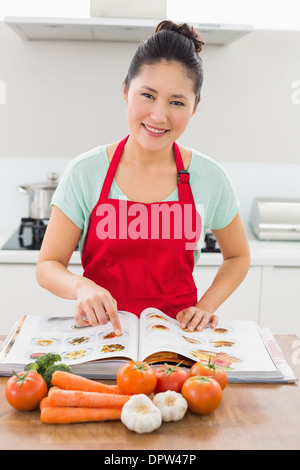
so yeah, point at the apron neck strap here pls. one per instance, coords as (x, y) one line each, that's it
(112, 169)
(183, 176)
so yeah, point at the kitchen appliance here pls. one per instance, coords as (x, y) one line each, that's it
(40, 196)
(276, 218)
(210, 244)
(29, 236)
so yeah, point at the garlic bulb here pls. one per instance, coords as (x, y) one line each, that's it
(139, 414)
(171, 404)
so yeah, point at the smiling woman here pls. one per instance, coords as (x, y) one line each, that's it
(152, 172)
(156, 111)
(184, 50)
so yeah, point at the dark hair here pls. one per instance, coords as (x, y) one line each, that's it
(174, 43)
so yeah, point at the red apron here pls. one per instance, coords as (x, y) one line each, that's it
(141, 253)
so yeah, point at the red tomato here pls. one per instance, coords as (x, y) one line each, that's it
(170, 378)
(203, 394)
(136, 377)
(24, 391)
(210, 369)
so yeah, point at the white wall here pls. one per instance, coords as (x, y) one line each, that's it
(63, 98)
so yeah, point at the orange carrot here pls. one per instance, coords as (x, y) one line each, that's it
(64, 415)
(57, 397)
(44, 402)
(115, 387)
(69, 381)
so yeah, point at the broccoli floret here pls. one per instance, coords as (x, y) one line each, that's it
(43, 362)
(32, 366)
(45, 366)
(50, 371)
(46, 361)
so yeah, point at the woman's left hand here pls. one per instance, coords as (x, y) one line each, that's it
(195, 318)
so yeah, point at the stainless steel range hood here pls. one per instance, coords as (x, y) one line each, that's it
(112, 29)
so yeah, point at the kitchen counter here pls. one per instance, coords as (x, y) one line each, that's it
(275, 268)
(250, 416)
(263, 253)
(273, 253)
(23, 256)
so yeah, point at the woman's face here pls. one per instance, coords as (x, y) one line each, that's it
(160, 102)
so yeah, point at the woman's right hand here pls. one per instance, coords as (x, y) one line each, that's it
(96, 306)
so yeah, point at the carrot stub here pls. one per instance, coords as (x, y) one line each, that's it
(67, 398)
(69, 381)
(66, 415)
(44, 402)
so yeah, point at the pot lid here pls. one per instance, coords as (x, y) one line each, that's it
(51, 183)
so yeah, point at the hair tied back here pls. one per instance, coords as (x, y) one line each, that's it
(184, 29)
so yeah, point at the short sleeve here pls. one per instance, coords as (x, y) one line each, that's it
(79, 187)
(213, 190)
(226, 204)
(68, 197)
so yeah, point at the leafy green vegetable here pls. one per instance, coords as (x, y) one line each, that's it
(32, 366)
(50, 371)
(45, 366)
(43, 362)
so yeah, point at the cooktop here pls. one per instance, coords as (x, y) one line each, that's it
(26, 238)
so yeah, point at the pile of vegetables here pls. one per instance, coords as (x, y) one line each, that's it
(25, 390)
(46, 365)
(75, 399)
(64, 397)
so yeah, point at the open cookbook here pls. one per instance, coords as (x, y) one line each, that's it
(247, 353)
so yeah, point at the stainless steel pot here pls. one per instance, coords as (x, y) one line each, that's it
(40, 196)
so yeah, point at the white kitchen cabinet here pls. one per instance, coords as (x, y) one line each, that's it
(280, 299)
(21, 295)
(269, 295)
(243, 304)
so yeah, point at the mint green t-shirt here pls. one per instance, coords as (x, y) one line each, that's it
(80, 185)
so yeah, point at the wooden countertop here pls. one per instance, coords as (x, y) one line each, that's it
(250, 416)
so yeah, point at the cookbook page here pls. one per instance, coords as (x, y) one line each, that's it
(158, 333)
(75, 345)
(236, 346)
